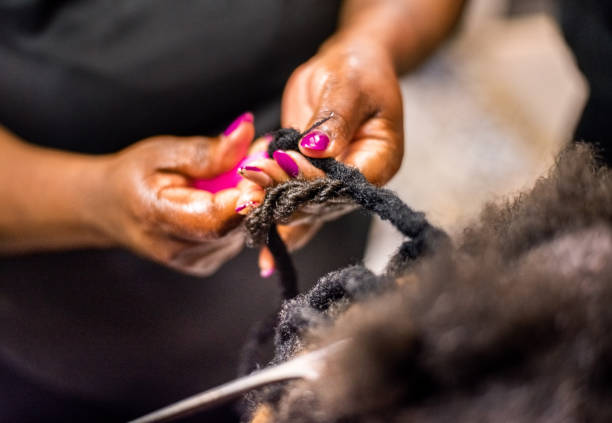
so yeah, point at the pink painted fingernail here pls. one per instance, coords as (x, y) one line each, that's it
(286, 163)
(255, 174)
(241, 207)
(269, 138)
(266, 273)
(315, 140)
(245, 117)
(250, 168)
(246, 207)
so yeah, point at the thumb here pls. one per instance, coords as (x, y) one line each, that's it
(196, 215)
(205, 158)
(344, 110)
(233, 144)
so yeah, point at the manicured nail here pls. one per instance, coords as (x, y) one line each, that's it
(315, 140)
(286, 163)
(255, 174)
(266, 273)
(245, 117)
(246, 207)
(269, 138)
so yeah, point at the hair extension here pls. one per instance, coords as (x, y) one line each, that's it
(511, 324)
(342, 181)
(335, 291)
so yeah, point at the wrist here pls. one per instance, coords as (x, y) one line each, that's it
(45, 198)
(88, 179)
(381, 27)
(358, 50)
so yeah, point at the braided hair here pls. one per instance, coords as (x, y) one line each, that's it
(333, 292)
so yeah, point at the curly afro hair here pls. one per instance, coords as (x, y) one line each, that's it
(512, 323)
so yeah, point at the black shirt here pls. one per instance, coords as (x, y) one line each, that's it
(106, 330)
(587, 25)
(94, 76)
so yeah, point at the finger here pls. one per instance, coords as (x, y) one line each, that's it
(249, 168)
(346, 108)
(159, 180)
(234, 143)
(251, 196)
(203, 259)
(286, 165)
(281, 168)
(197, 215)
(266, 263)
(294, 165)
(162, 249)
(271, 168)
(306, 169)
(255, 175)
(256, 178)
(205, 158)
(378, 150)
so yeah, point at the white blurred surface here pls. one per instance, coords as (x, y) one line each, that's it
(483, 119)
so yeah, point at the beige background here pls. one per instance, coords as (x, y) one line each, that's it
(483, 118)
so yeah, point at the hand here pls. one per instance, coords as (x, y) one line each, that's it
(147, 202)
(355, 83)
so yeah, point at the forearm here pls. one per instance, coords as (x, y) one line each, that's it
(45, 198)
(407, 29)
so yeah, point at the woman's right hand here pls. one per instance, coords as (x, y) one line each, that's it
(144, 199)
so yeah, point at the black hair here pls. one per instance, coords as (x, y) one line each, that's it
(334, 291)
(512, 323)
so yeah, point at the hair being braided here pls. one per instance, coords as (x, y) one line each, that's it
(342, 181)
(339, 288)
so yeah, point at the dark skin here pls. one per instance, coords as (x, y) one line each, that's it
(140, 198)
(354, 79)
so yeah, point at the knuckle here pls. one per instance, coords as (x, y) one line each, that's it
(220, 228)
(341, 123)
(199, 150)
(163, 254)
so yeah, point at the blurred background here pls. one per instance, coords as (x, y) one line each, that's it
(486, 115)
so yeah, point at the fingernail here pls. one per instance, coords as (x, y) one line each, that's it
(246, 207)
(315, 140)
(286, 163)
(266, 273)
(255, 174)
(249, 168)
(245, 117)
(269, 138)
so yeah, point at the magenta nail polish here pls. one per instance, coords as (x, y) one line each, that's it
(286, 163)
(315, 140)
(245, 117)
(251, 168)
(241, 207)
(266, 273)
(246, 204)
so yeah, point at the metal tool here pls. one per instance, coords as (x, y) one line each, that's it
(305, 366)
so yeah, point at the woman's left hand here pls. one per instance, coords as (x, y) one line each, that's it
(353, 82)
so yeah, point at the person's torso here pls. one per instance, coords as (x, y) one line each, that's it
(95, 76)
